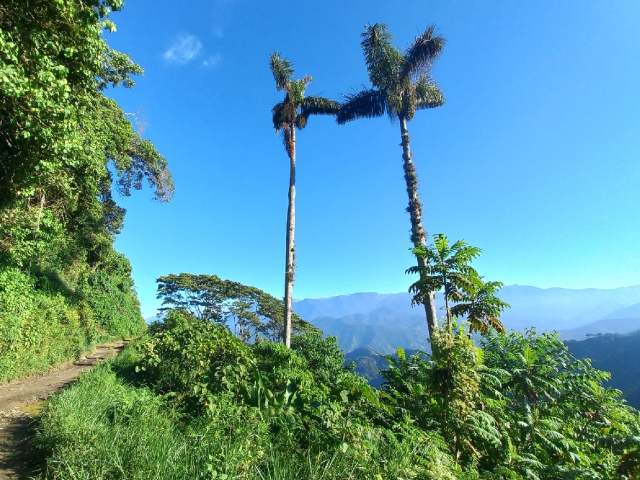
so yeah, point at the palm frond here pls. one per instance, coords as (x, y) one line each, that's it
(282, 70)
(319, 106)
(428, 95)
(277, 113)
(384, 61)
(419, 57)
(365, 104)
(315, 106)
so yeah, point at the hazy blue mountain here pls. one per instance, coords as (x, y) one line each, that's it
(562, 308)
(385, 321)
(382, 330)
(630, 312)
(343, 305)
(622, 321)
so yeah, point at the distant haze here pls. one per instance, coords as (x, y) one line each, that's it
(385, 321)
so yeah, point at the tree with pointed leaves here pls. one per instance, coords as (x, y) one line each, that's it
(482, 308)
(448, 268)
(401, 86)
(291, 113)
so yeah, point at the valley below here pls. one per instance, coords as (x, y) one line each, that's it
(600, 324)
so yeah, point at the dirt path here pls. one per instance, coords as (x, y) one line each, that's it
(20, 401)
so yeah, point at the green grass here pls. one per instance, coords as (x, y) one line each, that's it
(106, 427)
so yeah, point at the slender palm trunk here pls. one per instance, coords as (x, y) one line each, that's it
(418, 234)
(446, 302)
(290, 264)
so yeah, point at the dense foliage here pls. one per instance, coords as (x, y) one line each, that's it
(249, 311)
(519, 406)
(447, 268)
(62, 145)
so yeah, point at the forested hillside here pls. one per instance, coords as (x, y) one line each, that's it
(617, 354)
(64, 147)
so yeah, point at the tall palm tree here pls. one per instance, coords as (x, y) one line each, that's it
(289, 114)
(401, 85)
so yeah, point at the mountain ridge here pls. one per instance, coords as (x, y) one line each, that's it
(386, 321)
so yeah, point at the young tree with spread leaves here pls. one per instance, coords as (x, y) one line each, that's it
(401, 86)
(448, 268)
(291, 113)
(481, 307)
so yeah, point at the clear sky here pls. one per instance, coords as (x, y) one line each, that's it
(534, 157)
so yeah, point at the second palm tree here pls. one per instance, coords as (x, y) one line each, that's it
(401, 85)
(289, 114)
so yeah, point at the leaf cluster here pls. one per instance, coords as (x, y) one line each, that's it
(294, 111)
(401, 81)
(448, 268)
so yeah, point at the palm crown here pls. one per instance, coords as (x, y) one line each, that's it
(295, 109)
(401, 81)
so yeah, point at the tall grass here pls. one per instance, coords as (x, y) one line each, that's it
(107, 427)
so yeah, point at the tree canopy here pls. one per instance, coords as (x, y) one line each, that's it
(64, 147)
(247, 310)
(401, 80)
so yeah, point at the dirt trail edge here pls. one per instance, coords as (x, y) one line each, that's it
(16, 418)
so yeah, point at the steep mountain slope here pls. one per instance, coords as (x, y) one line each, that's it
(619, 326)
(617, 354)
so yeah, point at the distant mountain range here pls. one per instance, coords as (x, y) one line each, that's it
(621, 321)
(383, 322)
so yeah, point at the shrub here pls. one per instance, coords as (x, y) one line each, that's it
(38, 330)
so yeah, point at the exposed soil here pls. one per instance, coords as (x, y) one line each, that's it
(20, 402)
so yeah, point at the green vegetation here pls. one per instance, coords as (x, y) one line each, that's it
(231, 384)
(192, 400)
(63, 145)
(448, 268)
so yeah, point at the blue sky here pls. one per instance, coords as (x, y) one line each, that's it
(534, 157)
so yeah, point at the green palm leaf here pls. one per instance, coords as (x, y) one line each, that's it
(364, 104)
(282, 71)
(419, 57)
